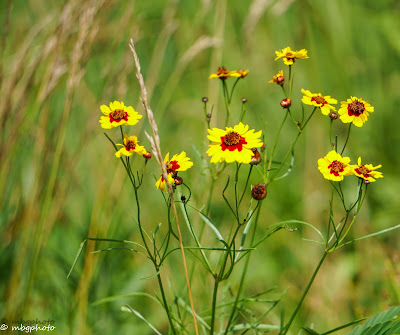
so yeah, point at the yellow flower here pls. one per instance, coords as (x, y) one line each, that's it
(318, 100)
(177, 163)
(289, 55)
(355, 110)
(366, 171)
(130, 146)
(334, 167)
(279, 78)
(238, 73)
(118, 114)
(233, 144)
(223, 73)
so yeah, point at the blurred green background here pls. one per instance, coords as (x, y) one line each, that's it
(60, 181)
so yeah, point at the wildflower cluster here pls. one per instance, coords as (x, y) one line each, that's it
(237, 146)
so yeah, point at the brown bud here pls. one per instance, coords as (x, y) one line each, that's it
(333, 115)
(178, 180)
(244, 100)
(280, 80)
(205, 99)
(286, 103)
(183, 198)
(366, 181)
(259, 191)
(208, 118)
(298, 123)
(256, 158)
(147, 155)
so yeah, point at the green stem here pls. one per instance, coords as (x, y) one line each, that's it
(347, 138)
(287, 326)
(165, 301)
(309, 118)
(275, 143)
(214, 305)
(245, 186)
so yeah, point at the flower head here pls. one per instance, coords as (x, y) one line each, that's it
(177, 163)
(130, 146)
(279, 78)
(259, 191)
(318, 100)
(239, 73)
(289, 55)
(355, 110)
(334, 167)
(223, 73)
(118, 114)
(366, 171)
(233, 144)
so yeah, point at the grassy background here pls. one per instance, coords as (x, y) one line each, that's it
(59, 182)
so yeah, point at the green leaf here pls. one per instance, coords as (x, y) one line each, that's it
(129, 309)
(385, 323)
(310, 331)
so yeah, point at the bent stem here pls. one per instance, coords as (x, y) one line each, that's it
(287, 326)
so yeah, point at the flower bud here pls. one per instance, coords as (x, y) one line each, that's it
(280, 80)
(178, 180)
(147, 155)
(205, 99)
(244, 100)
(366, 182)
(286, 103)
(256, 158)
(259, 191)
(333, 115)
(183, 198)
(208, 117)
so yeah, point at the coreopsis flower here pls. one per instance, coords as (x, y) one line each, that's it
(366, 171)
(223, 73)
(233, 144)
(239, 73)
(355, 110)
(334, 167)
(130, 146)
(279, 78)
(318, 100)
(177, 163)
(118, 114)
(289, 55)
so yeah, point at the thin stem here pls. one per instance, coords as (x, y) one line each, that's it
(275, 143)
(165, 301)
(347, 138)
(214, 305)
(292, 317)
(309, 118)
(245, 186)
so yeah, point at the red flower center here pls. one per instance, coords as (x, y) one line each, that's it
(172, 166)
(355, 108)
(118, 115)
(231, 141)
(336, 167)
(222, 72)
(130, 145)
(363, 170)
(319, 100)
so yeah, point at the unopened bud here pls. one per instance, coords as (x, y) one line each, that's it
(286, 103)
(333, 115)
(147, 155)
(205, 99)
(208, 117)
(366, 182)
(178, 180)
(280, 80)
(298, 123)
(244, 100)
(256, 158)
(183, 198)
(259, 191)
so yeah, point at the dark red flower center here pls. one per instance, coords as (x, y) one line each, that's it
(222, 72)
(130, 145)
(118, 115)
(336, 167)
(355, 108)
(172, 166)
(231, 141)
(363, 170)
(319, 100)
